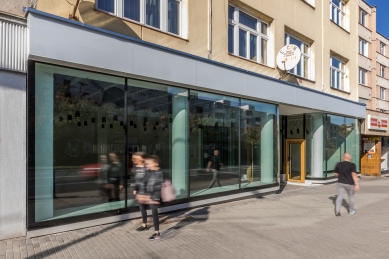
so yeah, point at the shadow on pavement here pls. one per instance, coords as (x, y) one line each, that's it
(344, 202)
(197, 216)
(282, 187)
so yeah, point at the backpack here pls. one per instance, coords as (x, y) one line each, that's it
(168, 193)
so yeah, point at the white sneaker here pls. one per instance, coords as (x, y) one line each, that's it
(352, 212)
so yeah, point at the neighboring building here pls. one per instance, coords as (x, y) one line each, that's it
(179, 79)
(373, 91)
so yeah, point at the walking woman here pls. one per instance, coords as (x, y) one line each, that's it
(152, 183)
(139, 172)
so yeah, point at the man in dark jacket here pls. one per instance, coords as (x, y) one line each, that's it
(114, 177)
(347, 181)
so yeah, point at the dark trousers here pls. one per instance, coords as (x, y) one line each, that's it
(154, 211)
(216, 174)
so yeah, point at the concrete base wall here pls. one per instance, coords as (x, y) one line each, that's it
(12, 154)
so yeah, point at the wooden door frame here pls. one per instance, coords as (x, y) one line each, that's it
(302, 158)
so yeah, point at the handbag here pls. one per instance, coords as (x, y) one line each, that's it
(168, 193)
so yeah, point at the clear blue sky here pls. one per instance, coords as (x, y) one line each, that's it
(382, 15)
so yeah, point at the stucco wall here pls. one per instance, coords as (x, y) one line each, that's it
(12, 154)
(14, 7)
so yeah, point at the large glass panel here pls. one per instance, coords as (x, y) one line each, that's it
(106, 5)
(173, 16)
(242, 43)
(132, 9)
(259, 152)
(230, 38)
(335, 142)
(295, 161)
(253, 47)
(214, 143)
(153, 13)
(79, 143)
(353, 140)
(314, 145)
(248, 20)
(157, 125)
(231, 12)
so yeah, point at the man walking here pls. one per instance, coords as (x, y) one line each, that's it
(214, 163)
(347, 181)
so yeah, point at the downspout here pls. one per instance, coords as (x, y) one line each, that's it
(73, 15)
(209, 29)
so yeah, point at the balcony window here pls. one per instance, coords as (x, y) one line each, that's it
(382, 48)
(382, 93)
(337, 12)
(363, 49)
(362, 17)
(382, 71)
(338, 73)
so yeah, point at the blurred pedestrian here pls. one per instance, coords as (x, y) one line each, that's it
(114, 178)
(347, 181)
(139, 172)
(153, 181)
(102, 178)
(214, 165)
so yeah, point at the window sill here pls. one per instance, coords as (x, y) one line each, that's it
(364, 26)
(313, 7)
(246, 59)
(142, 25)
(342, 91)
(364, 56)
(365, 85)
(303, 78)
(340, 27)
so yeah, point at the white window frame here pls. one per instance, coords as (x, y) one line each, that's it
(340, 19)
(119, 12)
(303, 55)
(382, 93)
(362, 76)
(382, 71)
(363, 47)
(382, 48)
(257, 32)
(362, 17)
(342, 72)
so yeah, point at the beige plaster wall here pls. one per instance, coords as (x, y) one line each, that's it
(14, 7)
(312, 23)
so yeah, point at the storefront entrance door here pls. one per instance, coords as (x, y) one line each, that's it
(295, 160)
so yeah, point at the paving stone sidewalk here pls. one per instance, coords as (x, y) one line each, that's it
(297, 223)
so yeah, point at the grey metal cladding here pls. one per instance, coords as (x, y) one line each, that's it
(65, 41)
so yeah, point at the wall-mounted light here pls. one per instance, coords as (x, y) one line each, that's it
(69, 117)
(85, 123)
(60, 119)
(77, 114)
(93, 120)
(102, 126)
(104, 119)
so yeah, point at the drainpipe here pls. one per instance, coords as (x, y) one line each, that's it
(73, 15)
(210, 29)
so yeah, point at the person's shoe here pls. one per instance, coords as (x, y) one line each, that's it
(155, 236)
(337, 214)
(141, 228)
(352, 212)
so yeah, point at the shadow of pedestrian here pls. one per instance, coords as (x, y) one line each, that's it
(197, 216)
(282, 187)
(344, 202)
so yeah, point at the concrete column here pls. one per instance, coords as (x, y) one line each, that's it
(44, 103)
(267, 148)
(317, 155)
(180, 141)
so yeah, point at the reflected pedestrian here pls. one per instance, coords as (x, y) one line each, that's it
(139, 172)
(214, 165)
(103, 180)
(347, 181)
(153, 181)
(115, 177)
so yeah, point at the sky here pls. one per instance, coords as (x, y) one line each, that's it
(382, 15)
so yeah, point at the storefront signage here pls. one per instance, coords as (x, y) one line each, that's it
(288, 57)
(377, 122)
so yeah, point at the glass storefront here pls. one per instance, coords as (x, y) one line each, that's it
(84, 126)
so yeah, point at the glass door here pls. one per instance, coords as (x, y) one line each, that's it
(295, 160)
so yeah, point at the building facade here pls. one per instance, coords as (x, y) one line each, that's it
(373, 83)
(180, 79)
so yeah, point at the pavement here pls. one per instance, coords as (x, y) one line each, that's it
(298, 222)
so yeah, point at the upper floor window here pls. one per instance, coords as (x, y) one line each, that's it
(363, 47)
(362, 76)
(362, 17)
(382, 48)
(247, 35)
(337, 12)
(338, 72)
(161, 14)
(303, 67)
(382, 93)
(382, 71)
